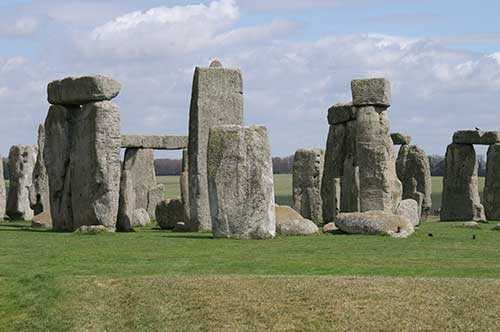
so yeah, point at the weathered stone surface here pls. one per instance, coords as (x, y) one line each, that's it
(3, 194)
(169, 213)
(374, 223)
(21, 164)
(140, 218)
(349, 186)
(492, 184)
(497, 227)
(460, 200)
(380, 188)
(137, 180)
(471, 224)
(39, 190)
(95, 165)
(42, 220)
(409, 209)
(58, 129)
(217, 99)
(476, 137)
(414, 172)
(184, 184)
(330, 228)
(340, 113)
(82, 90)
(290, 222)
(155, 196)
(371, 92)
(400, 139)
(307, 175)
(240, 183)
(156, 142)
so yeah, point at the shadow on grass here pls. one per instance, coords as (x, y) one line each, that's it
(202, 236)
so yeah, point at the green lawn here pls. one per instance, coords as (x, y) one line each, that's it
(154, 280)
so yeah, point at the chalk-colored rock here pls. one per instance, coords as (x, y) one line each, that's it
(409, 209)
(290, 222)
(374, 223)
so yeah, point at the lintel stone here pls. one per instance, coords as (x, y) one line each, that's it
(82, 90)
(476, 137)
(400, 139)
(155, 142)
(371, 92)
(341, 113)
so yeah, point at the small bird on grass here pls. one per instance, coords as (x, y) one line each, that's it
(473, 236)
(430, 235)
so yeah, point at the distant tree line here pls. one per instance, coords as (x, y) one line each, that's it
(281, 165)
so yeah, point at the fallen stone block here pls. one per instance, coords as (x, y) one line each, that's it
(374, 223)
(290, 222)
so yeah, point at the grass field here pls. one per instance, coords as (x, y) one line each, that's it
(154, 280)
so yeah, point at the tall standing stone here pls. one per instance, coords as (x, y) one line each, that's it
(492, 184)
(217, 99)
(39, 191)
(82, 152)
(21, 164)
(95, 165)
(460, 201)
(3, 194)
(380, 188)
(349, 186)
(137, 179)
(240, 182)
(414, 172)
(184, 185)
(307, 175)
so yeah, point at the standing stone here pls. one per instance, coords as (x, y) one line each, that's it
(95, 165)
(460, 201)
(155, 196)
(492, 184)
(3, 194)
(414, 172)
(169, 213)
(21, 164)
(137, 179)
(58, 144)
(240, 182)
(349, 186)
(380, 188)
(217, 99)
(307, 175)
(39, 190)
(184, 184)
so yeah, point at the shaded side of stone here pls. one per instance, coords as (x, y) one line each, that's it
(341, 113)
(460, 200)
(184, 184)
(400, 139)
(492, 184)
(476, 137)
(217, 99)
(39, 190)
(3, 193)
(240, 182)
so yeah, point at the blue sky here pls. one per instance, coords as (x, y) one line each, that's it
(297, 59)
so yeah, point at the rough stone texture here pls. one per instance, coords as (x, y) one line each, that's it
(471, 224)
(340, 113)
(21, 164)
(42, 220)
(155, 196)
(184, 184)
(492, 184)
(374, 223)
(140, 218)
(58, 129)
(307, 175)
(39, 190)
(409, 209)
(3, 194)
(460, 200)
(82, 90)
(169, 213)
(400, 139)
(137, 179)
(156, 142)
(380, 188)
(217, 99)
(476, 137)
(290, 222)
(414, 172)
(349, 186)
(92, 230)
(240, 183)
(330, 228)
(95, 165)
(82, 157)
(371, 92)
